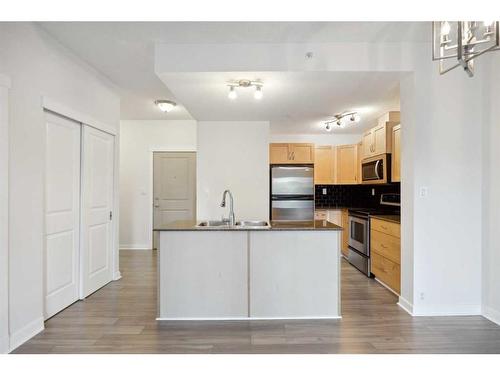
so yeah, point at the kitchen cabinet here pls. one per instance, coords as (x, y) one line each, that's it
(345, 232)
(378, 140)
(324, 160)
(385, 247)
(396, 154)
(291, 153)
(346, 164)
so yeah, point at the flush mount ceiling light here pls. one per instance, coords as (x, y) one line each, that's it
(338, 119)
(463, 41)
(258, 85)
(165, 105)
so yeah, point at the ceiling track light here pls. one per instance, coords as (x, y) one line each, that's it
(337, 119)
(165, 105)
(258, 94)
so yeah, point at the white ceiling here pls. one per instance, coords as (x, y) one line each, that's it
(294, 102)
(124, 52)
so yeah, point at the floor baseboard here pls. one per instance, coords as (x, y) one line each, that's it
(135, 247)
(27, 332)
(405, 305)
(491, 314)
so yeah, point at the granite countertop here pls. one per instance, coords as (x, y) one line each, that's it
(190, 225)
(391, 218)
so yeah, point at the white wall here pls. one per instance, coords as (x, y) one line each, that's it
(4, 219)
(445, 158)
(491, 189)
(38, 67)
(137, 141)
(318, 139)
(233, 155)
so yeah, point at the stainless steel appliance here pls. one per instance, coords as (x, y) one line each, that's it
(376, 170)
(292, 193)
(359, 231)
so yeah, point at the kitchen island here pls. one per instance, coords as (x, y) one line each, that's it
(285, 271)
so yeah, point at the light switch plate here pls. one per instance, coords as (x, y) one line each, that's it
(373, 191)
(324, 191)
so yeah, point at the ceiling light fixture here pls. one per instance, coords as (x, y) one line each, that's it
(463, 41)
(339, 117)
(232, 93)
(258, 94)
(165, 105)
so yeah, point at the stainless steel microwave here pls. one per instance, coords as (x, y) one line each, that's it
(376, 170)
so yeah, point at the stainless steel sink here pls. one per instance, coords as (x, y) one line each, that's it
(252, 224)
(213, 223)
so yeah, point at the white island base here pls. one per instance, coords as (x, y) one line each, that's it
(245, 274)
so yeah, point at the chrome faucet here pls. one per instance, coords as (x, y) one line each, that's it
(231, 220)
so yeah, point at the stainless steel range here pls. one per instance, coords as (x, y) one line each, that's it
(359, 231)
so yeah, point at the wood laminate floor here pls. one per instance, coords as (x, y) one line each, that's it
(120, 318)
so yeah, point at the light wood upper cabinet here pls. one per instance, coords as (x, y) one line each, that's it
(347, 164)
(378, 140)
(278, 153)
(291, 153)
(396, 154)
(303, 152)
(324, 160)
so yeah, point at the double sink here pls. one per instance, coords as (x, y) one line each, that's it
(237, 225)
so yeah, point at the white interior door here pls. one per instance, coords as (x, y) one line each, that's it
(174, 188)
(97, 208)
(62, 213)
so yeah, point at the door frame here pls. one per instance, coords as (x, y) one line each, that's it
(52, 105)
(151, 183)
(5, 85)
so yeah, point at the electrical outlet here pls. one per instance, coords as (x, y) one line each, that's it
(424, 191)
(324, 191)
(373, 191)
(422, 296)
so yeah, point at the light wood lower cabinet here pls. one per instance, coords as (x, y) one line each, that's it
(339, 217)
(386, 271)
(345, 233)
(385, 248)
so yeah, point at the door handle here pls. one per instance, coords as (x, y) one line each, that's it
(157, 203)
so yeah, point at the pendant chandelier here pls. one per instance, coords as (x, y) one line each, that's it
(458, 43)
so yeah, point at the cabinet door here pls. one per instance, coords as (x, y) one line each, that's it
(386, 271)
(367, 144)
(323, 165)
(279, 153)
(345, 232)
(396, 153)
(347, 164)
(379, 140)
(302, 153)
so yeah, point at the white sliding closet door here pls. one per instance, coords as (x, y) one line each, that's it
(97, 207)
(62, 213)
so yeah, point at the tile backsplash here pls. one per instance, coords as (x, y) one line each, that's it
(352, 196)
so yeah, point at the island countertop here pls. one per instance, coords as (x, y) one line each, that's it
(191, 225)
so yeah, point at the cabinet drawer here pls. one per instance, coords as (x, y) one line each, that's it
(386, 227)
(386, 245)
(386, 271)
